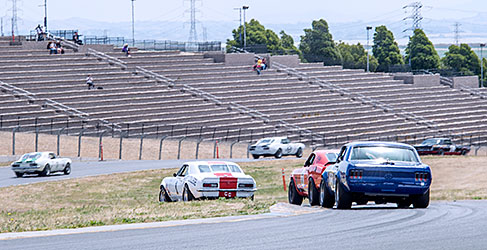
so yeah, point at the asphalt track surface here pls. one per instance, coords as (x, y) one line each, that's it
(92, 168)
(444, 225)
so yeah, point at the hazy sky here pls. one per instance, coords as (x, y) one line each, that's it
(266, 11)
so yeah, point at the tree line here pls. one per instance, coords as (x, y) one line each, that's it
(317, 45)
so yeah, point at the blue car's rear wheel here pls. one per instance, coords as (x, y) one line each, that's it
(422, 201)
(342, 197)
(326, 198)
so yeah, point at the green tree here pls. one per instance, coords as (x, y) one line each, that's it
(462, 59)
(287, 44)
(421, 52)
(317, 45)
(484, 62)
(257, 34)
(355, 57)
(385, 49)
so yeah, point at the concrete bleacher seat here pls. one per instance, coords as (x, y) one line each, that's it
(129, 99)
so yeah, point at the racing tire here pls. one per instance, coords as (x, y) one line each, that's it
(299, 153)
(342, 197)
(187, 195)
(19, 175)
(278, 154)
(441, 152)
(293, 196)
(46, 171)
(403, 204)
(67, 169)
(163, 197)
(326, 198)
(464, 152)
(422, 201)
(313, 193)
(256, 156)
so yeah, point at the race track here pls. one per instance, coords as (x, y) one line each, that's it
(443, 226)
(92, 168)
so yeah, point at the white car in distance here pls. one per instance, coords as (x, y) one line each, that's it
(277, 147)
(41, 163)
(207, 179)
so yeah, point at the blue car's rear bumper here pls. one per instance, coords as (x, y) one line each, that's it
(387, 188)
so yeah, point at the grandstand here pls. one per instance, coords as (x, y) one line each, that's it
(182, 94)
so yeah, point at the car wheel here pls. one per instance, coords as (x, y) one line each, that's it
(342, 197)
(313, 194)
(326, 199)
(19, 175)
(422, 201)
(441, 152)
(404, 204)
(187, 196)
(464, 152)
(163, 197)
(46, 171)
(67, 169)
(278, 153)
(256, 156)
(293, 196)
(299, 154)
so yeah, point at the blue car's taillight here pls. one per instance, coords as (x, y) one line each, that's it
(356, 174)
(421, 176)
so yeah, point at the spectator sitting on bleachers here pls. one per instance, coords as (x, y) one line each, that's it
(89, 81)
(59, 48)
(76, 39)
(126, 49)
(258, 66)
(52, 48)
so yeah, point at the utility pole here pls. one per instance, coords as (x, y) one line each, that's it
(245, 26)
(482, 45)
(14, 19)
(415, 18)
(368, 28)
(45, 15)
(457, 32)
(133, 24)
(240, 22)
(192, 31)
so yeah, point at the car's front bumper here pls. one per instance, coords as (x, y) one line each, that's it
(27, 169)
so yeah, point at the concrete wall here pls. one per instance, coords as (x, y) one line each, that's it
(240, 59)
(469, 81)
(217, 56)
(288, 60)
(418, 80)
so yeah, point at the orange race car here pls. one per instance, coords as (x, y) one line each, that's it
(305, 181)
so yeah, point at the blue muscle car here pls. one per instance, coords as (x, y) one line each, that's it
(376, 171)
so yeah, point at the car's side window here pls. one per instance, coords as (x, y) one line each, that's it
(285, 141)
(310, 160)
(183, 170)
(341, 155)
(52, 156)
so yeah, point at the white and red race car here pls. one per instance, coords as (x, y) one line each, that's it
(207, 179)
